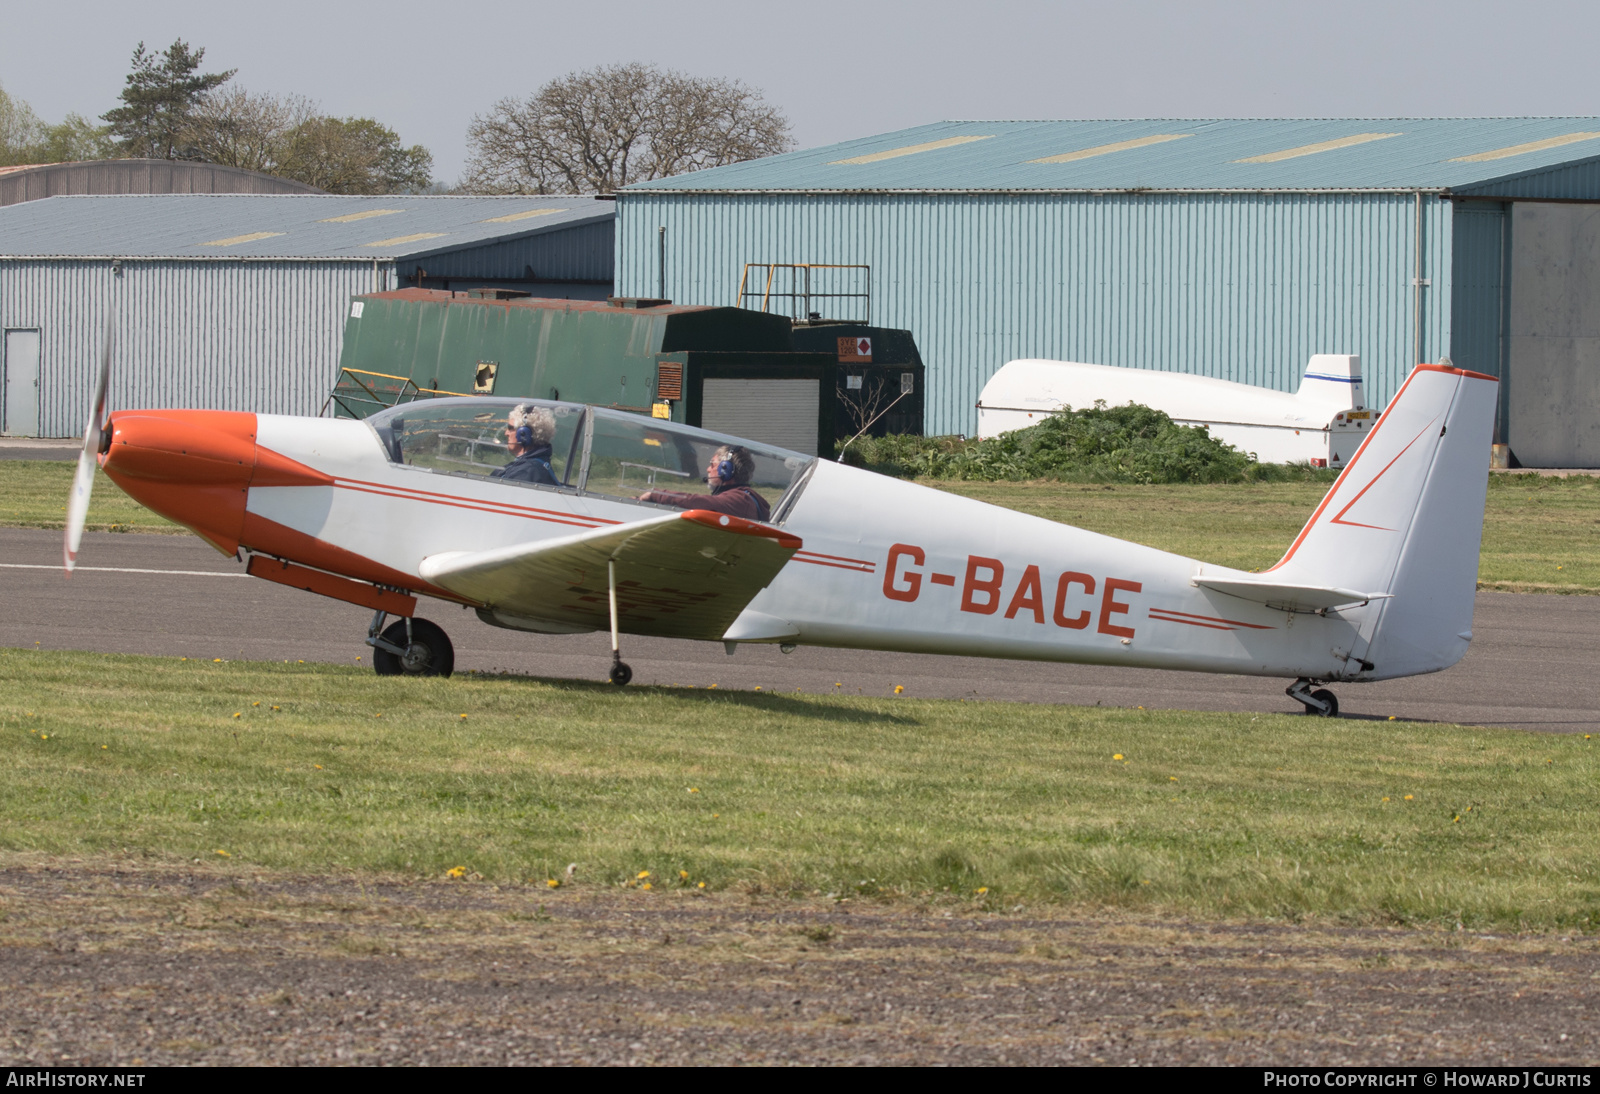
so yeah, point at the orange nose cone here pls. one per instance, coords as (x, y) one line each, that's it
(191, 466)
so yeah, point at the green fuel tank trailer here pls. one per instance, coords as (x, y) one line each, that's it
(735, 370)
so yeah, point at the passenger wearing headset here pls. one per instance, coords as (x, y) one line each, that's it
(529, 430)
(728, 474)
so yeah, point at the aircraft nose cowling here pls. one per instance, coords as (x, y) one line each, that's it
(191, 466)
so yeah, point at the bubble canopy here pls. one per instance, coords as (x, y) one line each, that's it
(592, 450)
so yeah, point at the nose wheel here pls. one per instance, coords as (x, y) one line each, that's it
(1320, 703)
(410, 647)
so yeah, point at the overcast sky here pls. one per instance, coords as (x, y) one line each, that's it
(841, 69)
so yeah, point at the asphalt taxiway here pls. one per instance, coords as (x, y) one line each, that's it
(1532, 663)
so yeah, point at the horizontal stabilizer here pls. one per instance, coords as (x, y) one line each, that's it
(1291, 598)
(679, 575)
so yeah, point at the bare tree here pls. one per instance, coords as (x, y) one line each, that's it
(597, 131)
(238, 129)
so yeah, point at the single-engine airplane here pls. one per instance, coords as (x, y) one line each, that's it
(407, 504)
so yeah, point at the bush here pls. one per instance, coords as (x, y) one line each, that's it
(1124, 444)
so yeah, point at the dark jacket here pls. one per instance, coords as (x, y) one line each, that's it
(532, 466)
(736, 501)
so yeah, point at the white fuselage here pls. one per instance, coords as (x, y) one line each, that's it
(886, 564)
(1322, 423)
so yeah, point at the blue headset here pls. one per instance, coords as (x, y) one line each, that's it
(525, 436)
(726, 471)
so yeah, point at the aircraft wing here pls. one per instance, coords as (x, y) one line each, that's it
(679, 575)
(1289, 597)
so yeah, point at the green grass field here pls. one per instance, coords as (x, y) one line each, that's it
(1540, 534)
(322, 768)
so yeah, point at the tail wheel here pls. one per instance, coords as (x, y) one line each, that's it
(621, 674)
(428, 651)
(1327, 697)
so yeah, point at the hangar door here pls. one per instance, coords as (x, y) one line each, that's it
(1554, 355)
(19, 413)
(776, 412)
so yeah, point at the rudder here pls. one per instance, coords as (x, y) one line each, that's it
(1404, 521)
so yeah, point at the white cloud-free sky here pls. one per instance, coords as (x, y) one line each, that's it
(842, 68)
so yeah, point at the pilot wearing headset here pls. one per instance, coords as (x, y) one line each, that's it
(728, 474)
(529, 430)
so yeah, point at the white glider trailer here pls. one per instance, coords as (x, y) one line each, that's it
(1322, 424)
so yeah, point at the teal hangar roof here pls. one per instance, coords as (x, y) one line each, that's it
(1470, 156)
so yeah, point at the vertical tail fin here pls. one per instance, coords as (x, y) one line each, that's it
(1333, 378)
(1406, 518)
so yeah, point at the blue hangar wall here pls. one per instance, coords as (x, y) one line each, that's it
(1226, 247)
(1241, 286)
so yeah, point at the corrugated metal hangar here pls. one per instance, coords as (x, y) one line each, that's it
(32, 182)
(1228, 248)
(238, 301)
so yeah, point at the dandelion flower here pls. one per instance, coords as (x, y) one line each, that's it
(694, 790)
(898, 688)
(317, 766)
(463, 717)
(216, 660)
(1391, 717)
(277, 708)
(238, 714)
(104, 747)
(714, 816)
(554, 883)
(1385, 799)
(256, 703)
(702, 885)
(44, 736)
(1408, 797)
(1116, 756)
(646, 886)
(1172, 778)
(981, 890)
(642, 875)
(223, 853)
(683, 875)
(456, 871)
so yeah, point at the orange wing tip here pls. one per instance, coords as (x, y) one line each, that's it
(739, 526)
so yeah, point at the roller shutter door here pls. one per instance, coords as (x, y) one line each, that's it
(776, 412)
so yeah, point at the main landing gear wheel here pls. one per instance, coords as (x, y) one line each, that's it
(425, 650)
(621, 674)
(1326, 696)
(1320, 703)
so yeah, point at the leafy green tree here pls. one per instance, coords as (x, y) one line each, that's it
(20, 131)
(354, 156)
(290, 137)
(73, 139)
(25, 138)
(161, 93)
